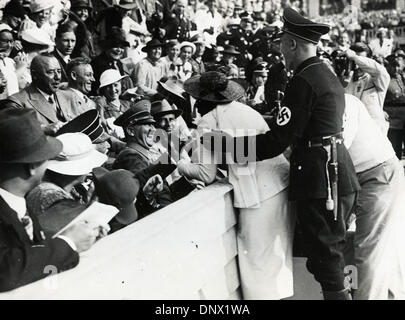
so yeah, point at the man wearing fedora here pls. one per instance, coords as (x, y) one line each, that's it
(323, 181)
(150, 70)
(53, 106)
(25, 252)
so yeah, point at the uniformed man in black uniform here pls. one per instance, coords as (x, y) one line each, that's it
(310, 122)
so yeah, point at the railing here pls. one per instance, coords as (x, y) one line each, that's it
(184, 251)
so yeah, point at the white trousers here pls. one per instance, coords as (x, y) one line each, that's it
(265, 241)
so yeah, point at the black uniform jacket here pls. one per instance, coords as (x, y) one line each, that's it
(313, 107)
(23, 261)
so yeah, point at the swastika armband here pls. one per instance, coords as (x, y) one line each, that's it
(283, 116)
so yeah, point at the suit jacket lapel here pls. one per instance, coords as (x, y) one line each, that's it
(39, 103)
(9, 217)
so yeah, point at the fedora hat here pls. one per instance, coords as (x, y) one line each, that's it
(154, 43)
(213, 86)
(171, 87)
(110, 76)
(87, 123)
(229, 49)
(22, 140)
(120, 189)
(127, 4)
(163, 107)
(78, 156)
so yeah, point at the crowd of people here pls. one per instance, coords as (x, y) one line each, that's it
(108, 101)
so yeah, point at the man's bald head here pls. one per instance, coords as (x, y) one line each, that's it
(46, 73)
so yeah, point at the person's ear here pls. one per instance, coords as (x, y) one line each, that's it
(73, 75)
(293, 44)
(130, 131)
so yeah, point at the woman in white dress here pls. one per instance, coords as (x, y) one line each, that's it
(265, 223)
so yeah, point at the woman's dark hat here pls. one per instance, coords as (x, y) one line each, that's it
(115, 39)
(213, 86)
(14, 9)
(22, 139)
(154, 43)
(300, 27)
(75, 4)
(87, 123)
(228, 49)
(120, 189)
(137, 114)
(162, 108)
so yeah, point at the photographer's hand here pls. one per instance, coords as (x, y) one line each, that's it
(350, 54)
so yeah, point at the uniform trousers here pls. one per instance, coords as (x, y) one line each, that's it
(324, 239)
(265, 239)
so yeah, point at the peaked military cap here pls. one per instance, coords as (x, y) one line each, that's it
(303, 28)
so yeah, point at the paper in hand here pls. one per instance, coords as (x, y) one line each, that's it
(97, 214)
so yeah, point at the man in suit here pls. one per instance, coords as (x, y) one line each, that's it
(80, 78)
(53, 107)
(25, 253)
(65, 42)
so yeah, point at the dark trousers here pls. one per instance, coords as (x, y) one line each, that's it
(397, 137)
(323, 239)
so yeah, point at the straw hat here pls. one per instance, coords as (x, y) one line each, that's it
(78, 156)
(213, 86)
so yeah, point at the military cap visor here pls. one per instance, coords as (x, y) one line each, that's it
(298, 26)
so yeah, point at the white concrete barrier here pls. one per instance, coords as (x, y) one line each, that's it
(184, 251)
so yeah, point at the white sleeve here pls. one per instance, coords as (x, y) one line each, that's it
(350, 119)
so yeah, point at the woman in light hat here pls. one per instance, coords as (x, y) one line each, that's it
(40, 15)
(61, 194)
(109, 103)
(184, 67)
(265, 234)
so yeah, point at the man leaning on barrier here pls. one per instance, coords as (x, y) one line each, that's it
(311, 123)
(25, 253)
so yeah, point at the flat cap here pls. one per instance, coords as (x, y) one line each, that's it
(303, 28)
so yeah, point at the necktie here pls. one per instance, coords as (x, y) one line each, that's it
(59, 113)
(28, 225)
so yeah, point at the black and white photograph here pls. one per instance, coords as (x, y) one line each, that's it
(202, 155)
